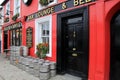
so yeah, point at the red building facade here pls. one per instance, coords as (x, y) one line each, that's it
(79, 33)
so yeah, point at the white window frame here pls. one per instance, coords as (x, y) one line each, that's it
(7, 8)
(15, 6)
(38, 26)
(42, 7)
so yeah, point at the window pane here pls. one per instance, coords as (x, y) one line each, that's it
(44, 40)
(43, 32)
(47, 39)
(17, 6)
(8, 8)
(17, 2)
(47, 32)
(45, 29)
(17, 37)
(13, 37)
(17, 10)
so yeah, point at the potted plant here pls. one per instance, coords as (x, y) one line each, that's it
(6, 19)
(15, 17)
(42, 50)
(43, 2)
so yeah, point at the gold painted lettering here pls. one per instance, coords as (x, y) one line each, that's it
(30, 17)
(52, 9)
(76, 2)
(82, 2)
(44, 12)
(64, 6)
(88, 1)
(48, 10)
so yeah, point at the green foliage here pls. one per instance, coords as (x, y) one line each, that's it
(6, 19)
(42, 50)
(43, 2)
(15, 17)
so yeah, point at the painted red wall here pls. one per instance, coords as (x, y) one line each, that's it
(100, 15)
(27, 10)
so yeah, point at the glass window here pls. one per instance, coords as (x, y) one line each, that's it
(45, 32)
(16, 37)
(50, 2)
(13, 38)
(8, 9)
(16, 6)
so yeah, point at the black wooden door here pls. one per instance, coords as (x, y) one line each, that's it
(74, 39)
(115, 48)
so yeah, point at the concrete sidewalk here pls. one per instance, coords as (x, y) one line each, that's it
(10, 72)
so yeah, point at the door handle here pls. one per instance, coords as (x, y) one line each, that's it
(74, 49)
(74, 54)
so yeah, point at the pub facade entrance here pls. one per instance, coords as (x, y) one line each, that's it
(73, 53)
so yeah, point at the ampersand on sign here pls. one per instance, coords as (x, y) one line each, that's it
(64, 6)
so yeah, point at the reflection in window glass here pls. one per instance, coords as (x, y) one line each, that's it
(11, 38)
(17, 6)
(16, 37)
(45, 32)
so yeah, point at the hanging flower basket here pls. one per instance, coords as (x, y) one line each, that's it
(6, 19)
(15, 17)
(42, 50)
(43, 2)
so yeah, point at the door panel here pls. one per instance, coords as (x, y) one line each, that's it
(74, 50)
(115, 48)
(70, 37)
(72, 42)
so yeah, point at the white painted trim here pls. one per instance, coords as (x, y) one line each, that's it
(42, 7)
(37, 32)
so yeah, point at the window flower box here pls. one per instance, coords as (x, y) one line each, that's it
(15, 17)
(45, 2)
(42, 50)
(6, 19)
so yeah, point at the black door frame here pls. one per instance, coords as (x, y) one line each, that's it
(60, 53)
(114, 48)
